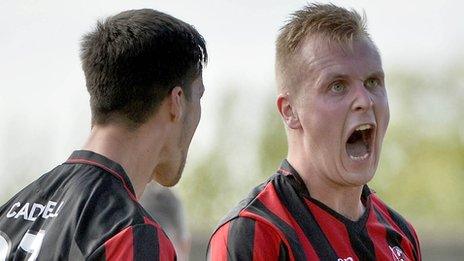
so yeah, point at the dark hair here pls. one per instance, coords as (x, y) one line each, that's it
(132, 60)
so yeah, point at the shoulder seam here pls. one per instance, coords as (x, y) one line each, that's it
(244, 208)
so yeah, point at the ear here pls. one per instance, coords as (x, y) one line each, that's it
(176, 103)
(287, 111)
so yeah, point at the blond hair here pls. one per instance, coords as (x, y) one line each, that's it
(333, 23)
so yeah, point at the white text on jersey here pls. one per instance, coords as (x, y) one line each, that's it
(31, 211)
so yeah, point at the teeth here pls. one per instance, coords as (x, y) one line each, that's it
(363, 157)
(363, 127)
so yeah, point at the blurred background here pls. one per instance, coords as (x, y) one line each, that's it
(240, 140)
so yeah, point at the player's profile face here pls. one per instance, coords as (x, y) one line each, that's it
(193, 112)
(343, 109)
(169, 172)
(191, 119)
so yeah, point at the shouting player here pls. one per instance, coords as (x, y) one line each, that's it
(333, 101)
(143, 70)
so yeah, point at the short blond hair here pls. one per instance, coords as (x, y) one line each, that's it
(333, 23)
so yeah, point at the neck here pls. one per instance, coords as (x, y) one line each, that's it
(137, 151)
(345, 200)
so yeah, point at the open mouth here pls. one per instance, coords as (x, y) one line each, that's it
(358, 145)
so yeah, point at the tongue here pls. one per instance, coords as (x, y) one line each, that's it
(357, 148)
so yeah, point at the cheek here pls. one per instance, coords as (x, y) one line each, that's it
(383, 113)
(322, 126)
(197, 116)
(387, 113)
(329, 117)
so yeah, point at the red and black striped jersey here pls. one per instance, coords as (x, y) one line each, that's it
(281, 221)
(86, 209)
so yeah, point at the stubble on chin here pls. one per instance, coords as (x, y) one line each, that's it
(168, 174)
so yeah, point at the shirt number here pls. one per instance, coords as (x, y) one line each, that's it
(31, 243)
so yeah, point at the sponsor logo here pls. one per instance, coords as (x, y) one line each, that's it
(32, 211)
(397, 253)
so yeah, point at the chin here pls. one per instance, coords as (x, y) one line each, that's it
(168, 176)
(171, 177)
(169, 173)
(359, 178)
(168, 181)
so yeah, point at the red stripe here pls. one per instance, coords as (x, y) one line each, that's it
(264, 237)
(335, 231)
(285, 172)
(383, 210)
(406, 245)
(120, 246)
(256, 217)
(119, 176)
(167, 251)
(218, 245)
(272, 201)
(149, 221)
(378, 234)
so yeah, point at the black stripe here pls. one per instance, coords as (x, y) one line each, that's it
(361, 243)
(240, 239)
(393, 237)
(283, 252)
(305, 218)
(146, 244)
(258, 208)
(404, 227)
(75, 253)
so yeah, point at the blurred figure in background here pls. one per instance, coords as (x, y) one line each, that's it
(333, 102)
(166, 208)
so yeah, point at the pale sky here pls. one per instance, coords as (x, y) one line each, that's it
(44, 103)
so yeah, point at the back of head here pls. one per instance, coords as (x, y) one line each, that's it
(333, 24)
(133, 59)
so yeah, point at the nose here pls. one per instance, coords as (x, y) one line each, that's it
(362, 99)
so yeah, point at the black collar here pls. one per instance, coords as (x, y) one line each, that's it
(95, 159)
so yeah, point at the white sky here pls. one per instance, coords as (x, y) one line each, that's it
(44, 104)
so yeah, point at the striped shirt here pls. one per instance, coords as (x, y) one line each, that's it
(84, 209)
(279, 220)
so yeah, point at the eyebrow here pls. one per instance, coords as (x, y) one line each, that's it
(324, 79)
(330, 76)
(379, 74)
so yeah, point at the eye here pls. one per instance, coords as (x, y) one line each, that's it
(337, 87)
(371, 83)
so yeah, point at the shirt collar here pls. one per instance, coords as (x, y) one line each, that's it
(95, 159)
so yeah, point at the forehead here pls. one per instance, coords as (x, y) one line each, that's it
(319, 57)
